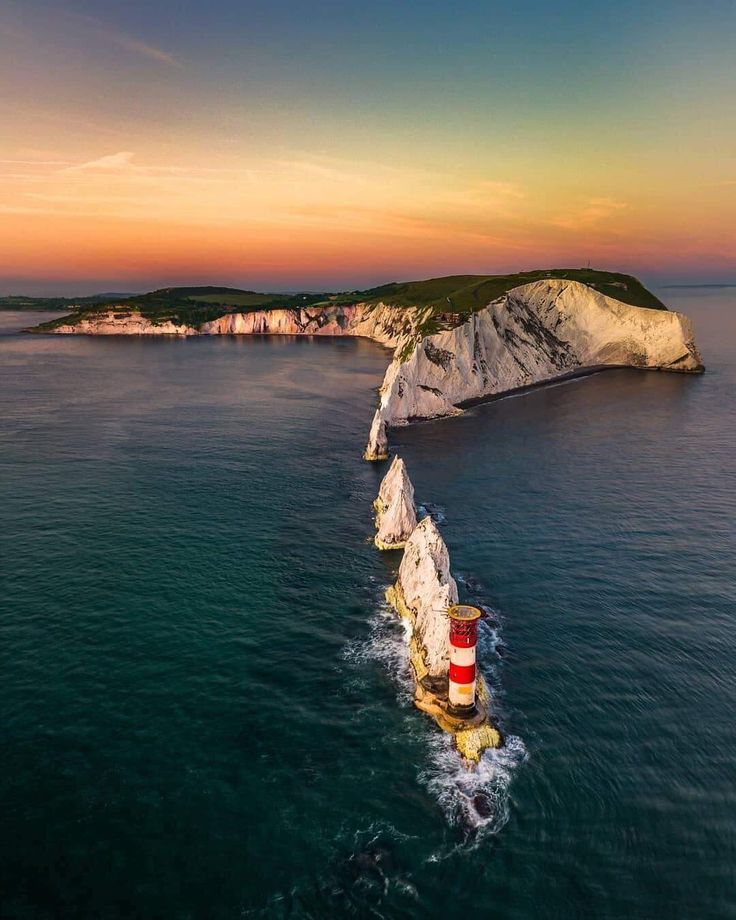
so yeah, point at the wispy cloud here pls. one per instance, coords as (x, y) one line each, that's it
(110, 161)
(128, 42)
(139, 47)
(593, 212)
(502, 189)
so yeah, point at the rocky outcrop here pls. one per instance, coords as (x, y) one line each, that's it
(533, 334)
(396, 516)
(377, 447)
(423, 593)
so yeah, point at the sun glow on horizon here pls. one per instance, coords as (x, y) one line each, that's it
(161, 159)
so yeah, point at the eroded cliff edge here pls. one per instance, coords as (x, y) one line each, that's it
(534, 334)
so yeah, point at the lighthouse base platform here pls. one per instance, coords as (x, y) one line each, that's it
(473, 733)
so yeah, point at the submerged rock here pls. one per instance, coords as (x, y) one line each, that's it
(396, 516)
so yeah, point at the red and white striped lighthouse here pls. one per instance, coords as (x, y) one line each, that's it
(463, 639)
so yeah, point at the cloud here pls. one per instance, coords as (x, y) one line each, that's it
(123, 40)
(18, 162)
(119, 160)
(595, 211)
(139, 47)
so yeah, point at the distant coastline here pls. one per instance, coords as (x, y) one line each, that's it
(671, 287)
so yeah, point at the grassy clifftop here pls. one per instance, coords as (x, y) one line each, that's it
(455, 297)
(20, 302)
(451, 299)
(191, 306)
(472, 292)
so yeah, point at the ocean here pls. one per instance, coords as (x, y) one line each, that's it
(206, 705)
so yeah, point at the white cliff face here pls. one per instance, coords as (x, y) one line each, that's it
(535, 333)
(428, 590)
(386, 325)
(308, 321)
(396, 516)
(119, 323)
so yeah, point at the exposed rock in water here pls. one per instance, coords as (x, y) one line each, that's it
(377, 448)
(396, 516)
(427, 590)
(423, 593)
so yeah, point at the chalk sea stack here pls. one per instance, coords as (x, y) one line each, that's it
(396, 516)
(377, 447)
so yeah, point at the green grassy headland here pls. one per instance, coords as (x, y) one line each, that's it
(451, 299)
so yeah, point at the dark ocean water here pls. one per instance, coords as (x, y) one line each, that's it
(204, 706)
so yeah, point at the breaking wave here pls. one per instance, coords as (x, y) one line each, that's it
(474, 800)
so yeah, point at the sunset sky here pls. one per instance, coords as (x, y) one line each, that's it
(286, 144)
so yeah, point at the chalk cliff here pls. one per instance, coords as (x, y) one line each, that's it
(384, 324)
(396, 516)
(113, 322)
(535, 333)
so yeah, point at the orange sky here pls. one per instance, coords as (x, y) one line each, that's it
(134, 166)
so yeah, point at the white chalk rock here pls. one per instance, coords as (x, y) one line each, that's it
(377, 447)
(384, 324)
(428, 590)
(535, 333)
(120, 322)
(396, 516)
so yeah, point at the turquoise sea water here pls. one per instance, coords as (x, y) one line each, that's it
(205, 710)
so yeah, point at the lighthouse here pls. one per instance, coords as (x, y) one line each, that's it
(463, 640)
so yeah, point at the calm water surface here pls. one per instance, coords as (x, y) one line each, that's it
(205, 710)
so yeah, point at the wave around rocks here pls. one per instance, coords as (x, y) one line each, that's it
(475, 802)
